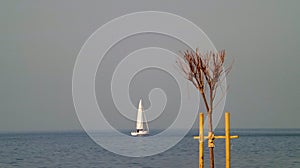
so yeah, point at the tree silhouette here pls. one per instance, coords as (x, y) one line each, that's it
(206, 72)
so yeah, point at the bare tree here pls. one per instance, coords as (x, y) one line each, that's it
(206, 72)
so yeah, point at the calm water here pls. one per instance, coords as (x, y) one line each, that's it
(254, 148)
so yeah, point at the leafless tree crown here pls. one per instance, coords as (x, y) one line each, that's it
(204, 70)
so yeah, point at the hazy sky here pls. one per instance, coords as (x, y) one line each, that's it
(40, 41)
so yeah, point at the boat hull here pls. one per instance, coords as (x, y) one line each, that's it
(140, 133)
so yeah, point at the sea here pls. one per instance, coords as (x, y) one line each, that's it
(254, 148)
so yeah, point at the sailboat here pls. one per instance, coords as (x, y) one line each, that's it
(140, 122)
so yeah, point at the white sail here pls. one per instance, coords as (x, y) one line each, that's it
(139, 120)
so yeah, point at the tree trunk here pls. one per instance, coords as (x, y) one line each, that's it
(210, 126)
(211, 149)
(211, 155)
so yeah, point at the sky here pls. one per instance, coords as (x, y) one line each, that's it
(40, 41)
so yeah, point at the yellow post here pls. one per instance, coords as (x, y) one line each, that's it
(201, 140)
(227, 140)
